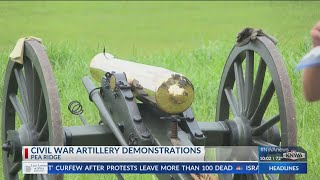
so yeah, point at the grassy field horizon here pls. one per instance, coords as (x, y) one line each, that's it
(182, 36)
(145, 28)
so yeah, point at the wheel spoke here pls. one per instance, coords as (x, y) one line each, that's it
(28, 71)
(39, 176)
(249, 77)
(44, 176)
(15, 168)
(240, 85)
(226, 176)
(254, 156)
(257, 88)
(260, 142)
(37, 94)
(41, 114)
(27, 177)
(271, 176)
(22, 89)
(237, 177)
(43, 135)
(240, 177)
(261, 109)
(232, 101)
(257, 176)
(18, 108)
(43, 143)
(261, 129)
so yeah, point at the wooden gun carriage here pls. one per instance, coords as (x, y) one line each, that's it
(135, 110)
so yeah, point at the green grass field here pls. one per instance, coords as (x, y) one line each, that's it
(192, 38)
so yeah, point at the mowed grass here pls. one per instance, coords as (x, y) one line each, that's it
(192, 38)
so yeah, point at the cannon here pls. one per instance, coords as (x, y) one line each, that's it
(134, 110)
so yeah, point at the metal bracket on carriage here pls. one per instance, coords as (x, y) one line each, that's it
(107, 76)
(249, 34)
(117, 82)
(141, 94)
(136, 86)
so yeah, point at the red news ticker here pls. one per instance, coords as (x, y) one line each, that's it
(26, 155)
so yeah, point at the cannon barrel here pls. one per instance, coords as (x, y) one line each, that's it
(173, 92)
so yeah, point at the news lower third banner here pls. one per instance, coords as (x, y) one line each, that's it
(163, 159)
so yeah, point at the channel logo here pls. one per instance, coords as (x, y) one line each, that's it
(294, 155)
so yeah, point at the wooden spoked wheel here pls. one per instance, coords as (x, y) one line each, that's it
(245, 95)
(30, 110)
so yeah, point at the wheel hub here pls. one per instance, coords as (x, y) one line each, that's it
(241, 132)
(24, 136)
(6, 146)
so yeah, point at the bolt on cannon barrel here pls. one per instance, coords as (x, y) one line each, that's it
(173, 92)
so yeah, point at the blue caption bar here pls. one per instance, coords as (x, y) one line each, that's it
(168, 167)
(158, 168)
